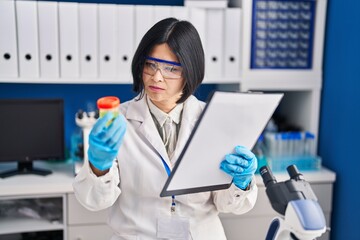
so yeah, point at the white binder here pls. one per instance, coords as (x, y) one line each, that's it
(88, 36)
(144, 20)
(161, 12)
(126, 37)
(197, 17)
(108, 40)
(69, 40)
(8, 47)
(27, 26)
(214, 43)
(232, 42)
(48, 39)
(180, 12)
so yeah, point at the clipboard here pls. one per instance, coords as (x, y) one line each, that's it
(228, 119)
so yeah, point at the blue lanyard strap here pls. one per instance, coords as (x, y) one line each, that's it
(168, 171)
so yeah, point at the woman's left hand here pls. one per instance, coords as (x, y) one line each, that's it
(241, 165)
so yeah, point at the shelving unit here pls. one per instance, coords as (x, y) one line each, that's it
(35, 189)
(301, 86)
(300, 105)
(12, 225)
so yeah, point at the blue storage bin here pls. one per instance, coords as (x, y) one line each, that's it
(303, 163)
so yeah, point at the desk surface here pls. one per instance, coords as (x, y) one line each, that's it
(60, 181)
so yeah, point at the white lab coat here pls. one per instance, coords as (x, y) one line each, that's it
(133, 185)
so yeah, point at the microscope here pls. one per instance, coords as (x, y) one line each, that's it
(302, 217)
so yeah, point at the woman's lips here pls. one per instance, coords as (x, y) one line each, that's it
(156, 89)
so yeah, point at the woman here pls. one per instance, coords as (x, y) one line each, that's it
(129, 159)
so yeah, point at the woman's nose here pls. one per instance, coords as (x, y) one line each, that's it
(158, 77)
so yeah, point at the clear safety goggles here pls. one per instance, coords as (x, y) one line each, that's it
(168, 69)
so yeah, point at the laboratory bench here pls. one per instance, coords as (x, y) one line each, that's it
(74, 222)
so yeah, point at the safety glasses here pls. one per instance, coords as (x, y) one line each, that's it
(168, 69)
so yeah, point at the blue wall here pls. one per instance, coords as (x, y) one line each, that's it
(340, 114)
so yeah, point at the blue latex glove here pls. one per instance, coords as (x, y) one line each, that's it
(241, 165)
(105, 140)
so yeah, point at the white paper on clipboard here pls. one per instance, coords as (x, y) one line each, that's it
(229, 119)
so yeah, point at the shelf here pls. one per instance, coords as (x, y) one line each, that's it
(280, 84)
(11, 225)
(122, 79)
(32, 213)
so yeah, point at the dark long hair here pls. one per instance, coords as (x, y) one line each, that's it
(184, 41)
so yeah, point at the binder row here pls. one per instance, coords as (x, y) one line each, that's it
(84, 42)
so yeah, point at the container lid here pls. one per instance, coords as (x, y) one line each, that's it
(108, 102)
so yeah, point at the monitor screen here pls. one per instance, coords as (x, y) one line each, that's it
(31, 129)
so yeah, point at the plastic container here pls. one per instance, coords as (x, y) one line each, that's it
(106, 104)
(290, 148)
(303, 163)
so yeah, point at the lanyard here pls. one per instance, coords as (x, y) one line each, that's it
(168, 171)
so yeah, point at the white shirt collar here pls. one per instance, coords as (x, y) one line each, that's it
(161, 116)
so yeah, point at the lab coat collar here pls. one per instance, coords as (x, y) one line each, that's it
(138, 110)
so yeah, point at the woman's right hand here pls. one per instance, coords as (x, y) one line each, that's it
(105, 140)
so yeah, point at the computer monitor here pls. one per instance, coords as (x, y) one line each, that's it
(31, 129)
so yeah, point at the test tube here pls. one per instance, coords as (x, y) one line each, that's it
(283, 144)
(297, 143)
(309, 144)
(291, 143)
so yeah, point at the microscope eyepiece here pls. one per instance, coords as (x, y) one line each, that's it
(80, 114)
(267, 176)
(294, 173)
(96, 113)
